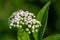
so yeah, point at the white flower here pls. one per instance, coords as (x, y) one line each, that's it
(18, 22)
(11, 24)
(29, 26)
(10, 27)
(31, 14)
(27, 29)
(34, 21)
(29, 32)
(36, 26)
(20, 26)
(26, 13)
(14, 25)
(34, 16)
(40, 24)
(33, 27)
(21, 22)
(32, 30)
(28, 19)
(17, 25)
(24, 20)
(14, 14)
(21, 18)
(17, 16)
(21, 12)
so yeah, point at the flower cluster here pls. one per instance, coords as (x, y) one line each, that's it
(25, 20)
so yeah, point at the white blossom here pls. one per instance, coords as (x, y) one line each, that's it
(34, 21)
(32, 30)
(27, 29)
(17, 25)
(29, 26)
(34, 16)
(21, 12)
(11, 24)
(18, 22)
(20, 26)
(28, 19)
(29, 32)
(14, 25)
(36, 30)
(33, 27)
(24, 20)
(26, 13)
(37, 26)
(10, 27)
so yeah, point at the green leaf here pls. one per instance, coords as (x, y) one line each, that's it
(22, 35)
(42, 17)
(43, 11)
(53, 37)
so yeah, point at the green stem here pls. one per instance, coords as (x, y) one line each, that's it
(22, 35)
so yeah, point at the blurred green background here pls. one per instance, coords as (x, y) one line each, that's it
(7, 7)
